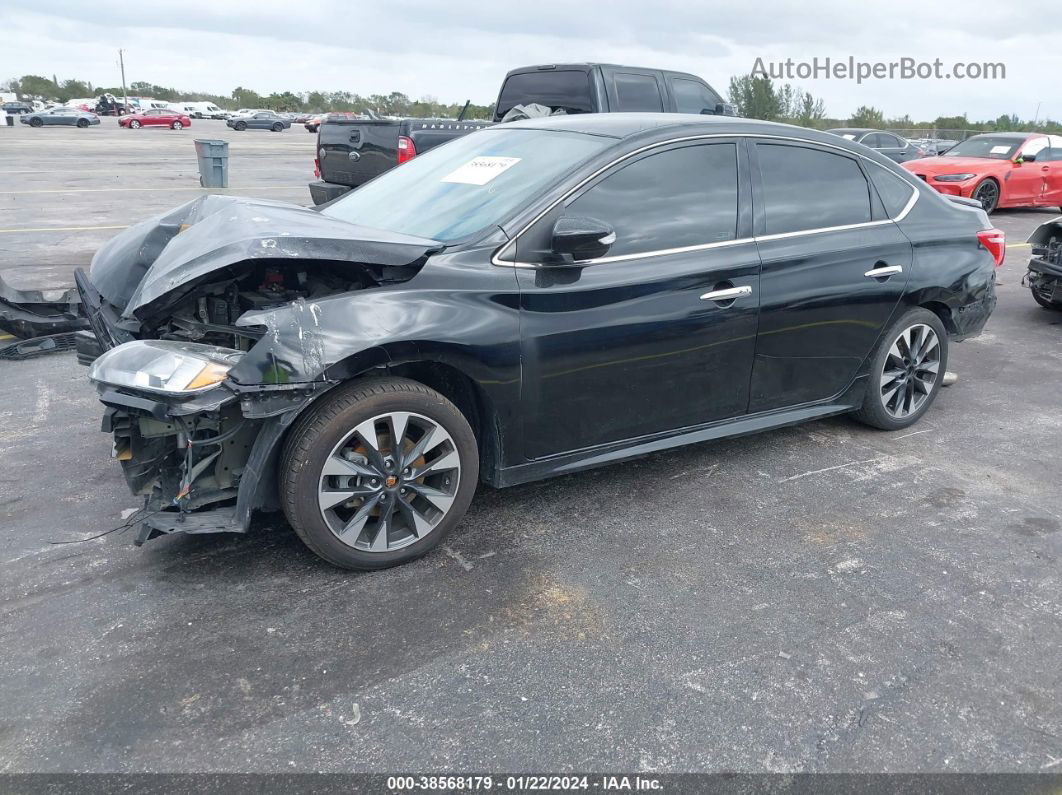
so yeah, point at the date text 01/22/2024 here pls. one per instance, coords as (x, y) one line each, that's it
(523, 783)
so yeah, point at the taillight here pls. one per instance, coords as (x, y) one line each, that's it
(995, 241)
(406, 150)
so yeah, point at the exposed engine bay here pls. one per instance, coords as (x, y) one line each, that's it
(212, 327)
(1044, 276)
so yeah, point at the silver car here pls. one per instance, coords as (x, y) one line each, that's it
(71, 116)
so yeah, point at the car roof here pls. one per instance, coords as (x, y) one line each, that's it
(1017, 136)
(627, 125)
(853, 130)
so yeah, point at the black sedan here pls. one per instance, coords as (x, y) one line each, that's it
(889, 144)
(530, 300)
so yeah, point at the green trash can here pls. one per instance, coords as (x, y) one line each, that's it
(213, 157)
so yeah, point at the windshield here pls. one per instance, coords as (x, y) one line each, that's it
(466, 185)
(990, 146)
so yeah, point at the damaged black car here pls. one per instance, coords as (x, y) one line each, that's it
(527, 301)
(1044, 277)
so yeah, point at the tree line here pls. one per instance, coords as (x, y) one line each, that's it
(394, 104)
(752, 98)
(760, 98)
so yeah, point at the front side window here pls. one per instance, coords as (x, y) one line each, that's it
(810, 189)
(1034, 146)
(672, 199)
(468, 184)
(693, 97)
(638, 93)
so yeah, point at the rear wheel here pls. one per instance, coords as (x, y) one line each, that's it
(378, 473)
(177, 125)
(988, 194)
(905, 372)
(278, 127)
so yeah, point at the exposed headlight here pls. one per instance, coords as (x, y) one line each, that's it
(172, 368)
(953, 177)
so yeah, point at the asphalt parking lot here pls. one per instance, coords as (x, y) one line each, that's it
(819, 598)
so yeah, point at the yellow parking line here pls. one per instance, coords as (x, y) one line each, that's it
(60, 229)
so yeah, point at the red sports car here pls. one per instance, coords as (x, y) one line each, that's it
(999, 170)
(158, 117)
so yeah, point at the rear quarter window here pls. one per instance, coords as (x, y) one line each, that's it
(894, 192)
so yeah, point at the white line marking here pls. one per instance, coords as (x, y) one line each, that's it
(831, 469)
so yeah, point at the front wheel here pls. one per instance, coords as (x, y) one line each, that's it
(36, 123)
(82, 123)
(988, 194)
(134, 124)
(905, 371)
(378, 473)
(241, 126)
(177, 125)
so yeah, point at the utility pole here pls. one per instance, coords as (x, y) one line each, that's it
(125, 94)
(1036, 118)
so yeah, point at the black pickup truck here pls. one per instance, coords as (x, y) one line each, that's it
(352, 151)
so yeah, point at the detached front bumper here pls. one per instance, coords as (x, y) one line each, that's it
(36, 313)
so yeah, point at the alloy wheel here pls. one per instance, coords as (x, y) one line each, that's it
(910, 372)
(988, 194)
(389, 482)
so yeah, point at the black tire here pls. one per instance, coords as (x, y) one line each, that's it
(1046, 302)
(873, 412)
(240, 125)
(314, 437)
(38, 122)
(987, 192)
(82, 123)
(278, 127)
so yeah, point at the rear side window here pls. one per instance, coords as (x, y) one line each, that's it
(893, 191)
(681, 197)
(637, 93)
(565, 90)
(693, 97)
(810, 189)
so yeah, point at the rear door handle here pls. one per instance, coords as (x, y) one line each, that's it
(887, 270)
(729, 294)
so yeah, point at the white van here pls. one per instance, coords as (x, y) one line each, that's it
(202, 110)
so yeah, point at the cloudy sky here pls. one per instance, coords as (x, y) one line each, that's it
(459, 49)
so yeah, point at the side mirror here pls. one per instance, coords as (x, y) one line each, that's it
(724, 109)
(582, 238)
(1026, 158)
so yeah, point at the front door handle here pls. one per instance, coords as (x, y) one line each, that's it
(729, 294)
(885, 271)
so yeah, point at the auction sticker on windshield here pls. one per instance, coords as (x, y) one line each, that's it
(481, 170)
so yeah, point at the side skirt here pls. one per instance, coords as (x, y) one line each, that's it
(613, 453)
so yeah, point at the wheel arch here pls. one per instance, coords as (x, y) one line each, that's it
(446, 376)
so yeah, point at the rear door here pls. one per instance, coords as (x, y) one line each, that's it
(642, 340)
(834, 269)
(891, 146)
(635, 90)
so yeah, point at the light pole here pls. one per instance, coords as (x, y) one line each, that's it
(125, 94)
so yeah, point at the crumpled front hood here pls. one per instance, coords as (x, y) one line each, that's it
(152, 258)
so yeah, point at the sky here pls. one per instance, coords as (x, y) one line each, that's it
(454, 50)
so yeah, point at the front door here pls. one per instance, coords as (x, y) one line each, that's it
(834, 269)
(657, 334)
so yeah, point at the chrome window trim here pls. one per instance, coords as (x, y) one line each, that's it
(702, 246)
